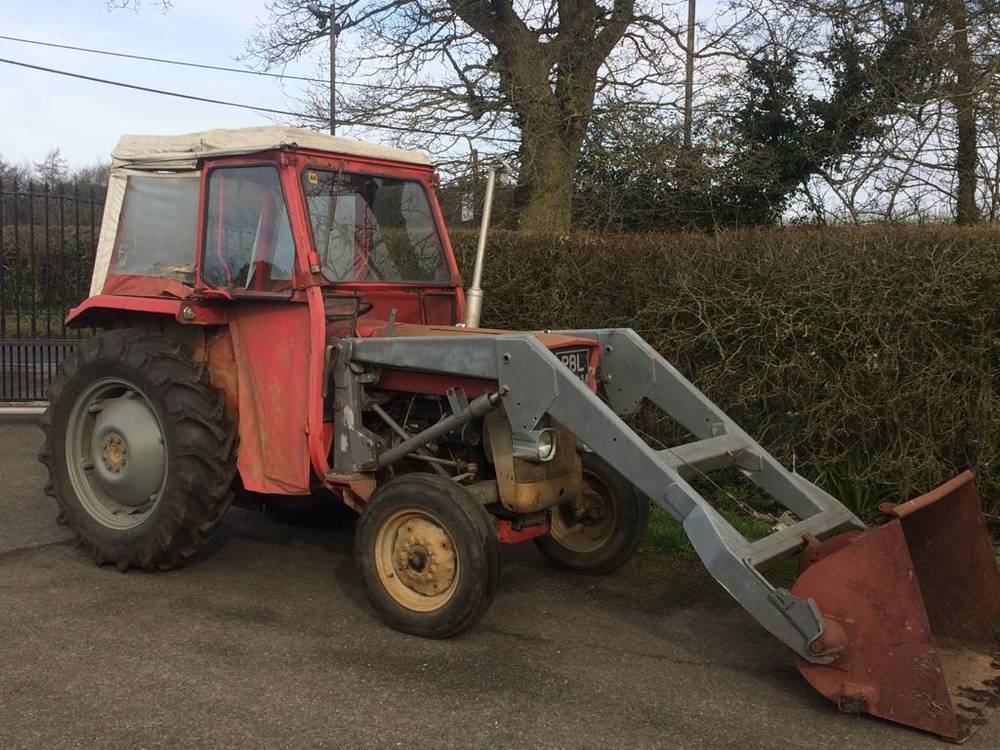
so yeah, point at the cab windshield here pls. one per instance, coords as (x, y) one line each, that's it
(371, 228)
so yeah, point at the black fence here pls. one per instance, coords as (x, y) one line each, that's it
(26, 367)
(48, 237)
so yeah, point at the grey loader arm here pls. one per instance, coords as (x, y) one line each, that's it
(534, 383)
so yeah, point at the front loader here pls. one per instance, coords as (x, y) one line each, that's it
(282, 316)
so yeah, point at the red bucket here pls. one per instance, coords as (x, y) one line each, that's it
(918, 601)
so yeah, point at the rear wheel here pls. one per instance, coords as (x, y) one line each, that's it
(428, 555)
(599, 531)
(138, 449)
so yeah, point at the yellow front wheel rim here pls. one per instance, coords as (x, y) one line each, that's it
(416, 560)
(586, 524)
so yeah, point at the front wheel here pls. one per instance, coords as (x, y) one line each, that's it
(599, 531)
(428, 555)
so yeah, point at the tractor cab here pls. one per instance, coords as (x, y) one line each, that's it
(262, 213)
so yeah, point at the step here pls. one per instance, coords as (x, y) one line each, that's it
(710, 454)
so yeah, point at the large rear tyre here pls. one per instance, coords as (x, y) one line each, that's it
(598, 532)
(428, 555)
(138, 449)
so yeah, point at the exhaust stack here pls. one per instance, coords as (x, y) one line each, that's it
(474, 294)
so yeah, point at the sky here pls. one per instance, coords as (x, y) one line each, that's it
(41, 111)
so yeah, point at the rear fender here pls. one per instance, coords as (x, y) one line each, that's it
(252, 359)
(103, 310)
(155, 316)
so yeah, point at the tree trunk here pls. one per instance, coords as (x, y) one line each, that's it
(551, 87)
(545, 192)
(964, 101)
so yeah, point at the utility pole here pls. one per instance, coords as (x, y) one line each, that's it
(689, 77)
(327, 17)
(686, 159)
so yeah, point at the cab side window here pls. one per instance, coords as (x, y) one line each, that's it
(156, 229)
(248, 237)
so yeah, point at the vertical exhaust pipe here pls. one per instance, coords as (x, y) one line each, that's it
(474, 294)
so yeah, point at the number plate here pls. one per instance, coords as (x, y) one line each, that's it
(577, 360)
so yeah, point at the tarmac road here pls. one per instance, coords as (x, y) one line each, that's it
(266, 640)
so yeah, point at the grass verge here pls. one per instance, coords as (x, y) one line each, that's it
(666, 536)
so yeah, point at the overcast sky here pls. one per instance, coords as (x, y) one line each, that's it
(40, 111)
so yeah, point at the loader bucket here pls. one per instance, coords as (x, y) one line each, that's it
(915, 606)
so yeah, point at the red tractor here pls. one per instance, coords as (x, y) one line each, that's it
(282, 315)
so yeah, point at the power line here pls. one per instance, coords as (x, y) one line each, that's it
(254, 107)
(187, 64)
(147, 89)
(244, 71)
(282, 76)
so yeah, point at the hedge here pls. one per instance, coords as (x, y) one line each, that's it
(866, 358)
(45, 269)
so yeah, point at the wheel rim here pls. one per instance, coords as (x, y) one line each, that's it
(586, 524)
(115, 453)
(416, 560)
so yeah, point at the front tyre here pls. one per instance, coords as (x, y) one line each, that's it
(138, 449)
(428, 555)
(599, 531)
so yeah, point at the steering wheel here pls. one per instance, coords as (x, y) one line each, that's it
(363, 308)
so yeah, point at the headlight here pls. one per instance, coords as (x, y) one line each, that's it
(538, 445)
(546, 445)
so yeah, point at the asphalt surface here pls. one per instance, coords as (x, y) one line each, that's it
(267, 640)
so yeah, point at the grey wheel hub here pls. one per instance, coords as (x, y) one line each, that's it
(127, 450)
(115, 453)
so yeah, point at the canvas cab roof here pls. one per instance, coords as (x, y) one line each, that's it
(184, 151)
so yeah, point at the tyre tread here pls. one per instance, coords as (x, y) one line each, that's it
(204, 449)
(457, 618)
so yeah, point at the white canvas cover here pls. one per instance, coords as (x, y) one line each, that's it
(149, 154)
(164, 151)
(109, 229)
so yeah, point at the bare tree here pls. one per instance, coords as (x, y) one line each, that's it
(11, 173)
(935, 72)
(136, 5)
(96, 173)
(53, 168)
(484, 68)
(963, 94)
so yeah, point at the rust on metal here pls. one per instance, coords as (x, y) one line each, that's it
(416, 560)
(525, 486)
(918, 601)
(113, 453)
